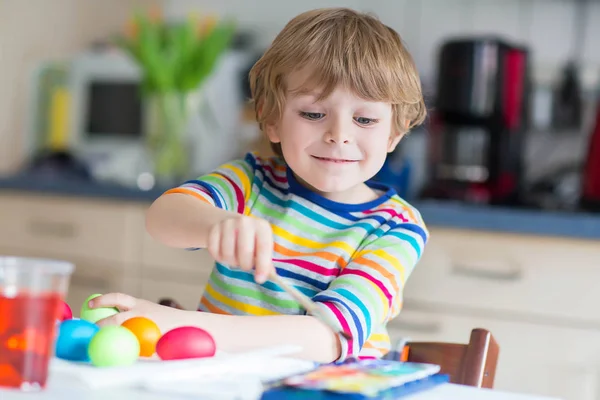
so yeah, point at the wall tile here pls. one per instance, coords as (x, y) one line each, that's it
(551, 33)
(501, 18)
(439, 20)
(591, 47)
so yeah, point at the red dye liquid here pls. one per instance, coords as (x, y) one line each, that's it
(27, 328)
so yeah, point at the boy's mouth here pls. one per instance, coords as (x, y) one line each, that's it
(335, 160)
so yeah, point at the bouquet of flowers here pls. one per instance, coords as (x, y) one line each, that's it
(175, 57)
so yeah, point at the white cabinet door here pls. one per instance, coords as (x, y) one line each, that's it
(536, 359)
(550, 280)
(102, 230)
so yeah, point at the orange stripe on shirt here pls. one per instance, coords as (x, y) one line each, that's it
(211, 308)
(190, 192)
(372, 264)
(321, 254)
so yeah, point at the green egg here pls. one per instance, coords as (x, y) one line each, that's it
(113, 346)
(96, 314)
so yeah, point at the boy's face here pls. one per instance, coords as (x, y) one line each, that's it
(336, 144)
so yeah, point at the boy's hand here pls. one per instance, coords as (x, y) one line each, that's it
(243, 242)
(165, 317)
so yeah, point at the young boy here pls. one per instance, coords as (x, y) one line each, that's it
(334, 93)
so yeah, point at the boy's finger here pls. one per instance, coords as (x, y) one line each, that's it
(228, 244)
(264, 255)
(116, 319)
(121, 301)
(245, 247)
(213, 245)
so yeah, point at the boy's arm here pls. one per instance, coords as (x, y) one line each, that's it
(183, 215)
(234, 333)
(182, 221)
(368, 291)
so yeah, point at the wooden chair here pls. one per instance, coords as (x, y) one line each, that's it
(472, 364)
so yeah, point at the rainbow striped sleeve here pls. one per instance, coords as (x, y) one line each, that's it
(228, 187)
(368, 291)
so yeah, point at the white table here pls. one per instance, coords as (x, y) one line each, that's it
(62, 391)
(71, 381)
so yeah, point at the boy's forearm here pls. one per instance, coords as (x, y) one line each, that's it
(243, 333)
(182, 221)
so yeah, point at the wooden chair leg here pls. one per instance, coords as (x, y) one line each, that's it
(481, 358)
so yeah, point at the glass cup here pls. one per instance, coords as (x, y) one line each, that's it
(31, 291)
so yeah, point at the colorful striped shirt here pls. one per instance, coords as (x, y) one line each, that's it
(352, 259)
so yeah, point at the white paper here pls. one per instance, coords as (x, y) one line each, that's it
(148, 371)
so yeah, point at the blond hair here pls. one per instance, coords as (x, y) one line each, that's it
(340, 47)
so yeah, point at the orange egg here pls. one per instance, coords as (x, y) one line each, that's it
(147, 333)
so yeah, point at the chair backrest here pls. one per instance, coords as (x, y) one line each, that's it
(472, 364)
(167, 301)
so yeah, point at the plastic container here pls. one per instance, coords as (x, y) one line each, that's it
(31, 291)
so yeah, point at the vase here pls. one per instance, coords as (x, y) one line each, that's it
(167, 118)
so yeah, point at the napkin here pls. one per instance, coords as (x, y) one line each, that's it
(240, 381)
(154, 370)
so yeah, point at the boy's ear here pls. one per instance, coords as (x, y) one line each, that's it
(272, 132)
(395, 137)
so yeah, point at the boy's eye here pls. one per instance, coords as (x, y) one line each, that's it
(312, 116)
(365, 121)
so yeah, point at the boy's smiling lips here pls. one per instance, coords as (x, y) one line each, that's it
(335, 160)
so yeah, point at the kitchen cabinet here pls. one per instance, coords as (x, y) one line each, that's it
(107, 243)
(101, 239)
(542, 278)
(536, 295)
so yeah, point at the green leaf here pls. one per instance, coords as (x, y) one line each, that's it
(175, 57)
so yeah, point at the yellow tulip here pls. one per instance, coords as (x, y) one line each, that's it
(155, 14)
(207, 25)
(131, 29)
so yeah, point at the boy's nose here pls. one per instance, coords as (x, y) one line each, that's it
(338, 133)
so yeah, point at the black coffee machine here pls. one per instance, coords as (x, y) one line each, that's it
(478, 122)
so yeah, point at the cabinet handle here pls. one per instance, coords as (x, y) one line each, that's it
(510, 275)
(427, 327)
(62, 230)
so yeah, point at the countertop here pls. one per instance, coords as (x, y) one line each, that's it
(435, 213)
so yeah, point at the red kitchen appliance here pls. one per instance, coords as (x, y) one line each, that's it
(478, 122)
(590, 196)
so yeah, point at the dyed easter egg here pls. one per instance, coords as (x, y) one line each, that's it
(185, 342)
(96, 314)
(73, 339)
(113, 346)
(147, 333)
(64, 312)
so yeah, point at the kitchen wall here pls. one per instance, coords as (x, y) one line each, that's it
(547, 26)
(32, 31)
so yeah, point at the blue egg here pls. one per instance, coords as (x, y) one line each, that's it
(74, 336)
